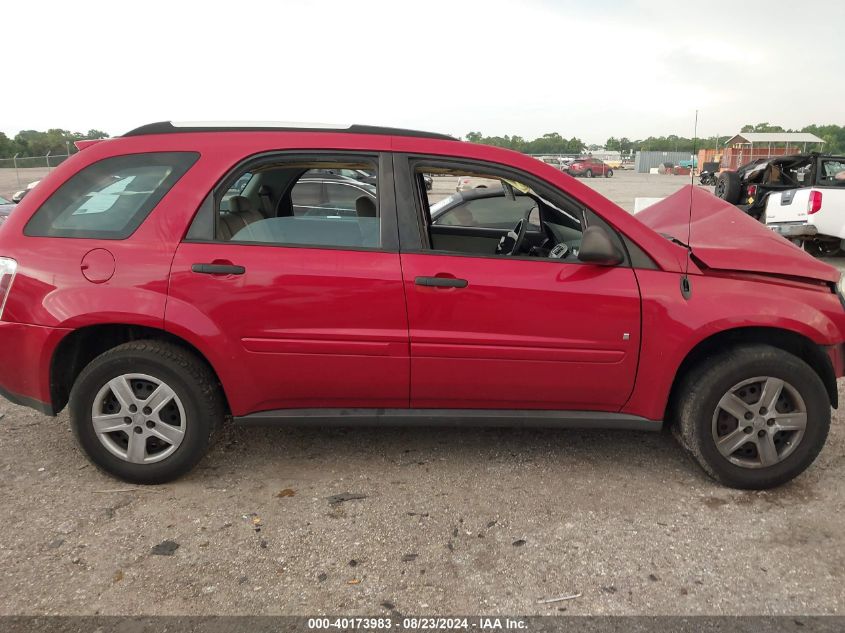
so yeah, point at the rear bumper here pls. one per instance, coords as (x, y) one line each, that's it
(793, 229)
(25, 354)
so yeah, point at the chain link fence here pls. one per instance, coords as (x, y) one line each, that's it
(17, 172)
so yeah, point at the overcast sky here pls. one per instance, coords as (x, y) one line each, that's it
(591, 69)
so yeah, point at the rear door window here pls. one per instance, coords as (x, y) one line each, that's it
(309, 204)
(110, 198)
(307, 196)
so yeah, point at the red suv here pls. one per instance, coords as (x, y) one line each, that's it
(160, 283)
(590, 167)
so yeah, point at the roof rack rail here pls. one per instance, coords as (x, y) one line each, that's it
(175, 127)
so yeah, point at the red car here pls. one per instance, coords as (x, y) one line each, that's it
(161, 283)
(589, 167)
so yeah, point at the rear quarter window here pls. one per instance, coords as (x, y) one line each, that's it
(110, 198)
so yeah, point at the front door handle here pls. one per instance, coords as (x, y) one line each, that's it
(441, 282)
(218, 269)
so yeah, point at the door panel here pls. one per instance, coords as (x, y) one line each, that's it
(522, 334)
(304, 327)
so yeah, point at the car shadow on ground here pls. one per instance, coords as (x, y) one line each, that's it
(594, 451)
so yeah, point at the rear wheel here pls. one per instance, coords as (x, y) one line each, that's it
(145, 411)
(589, 173)
(823, 248)
(728, 187)
(754, 417)
(608, 173)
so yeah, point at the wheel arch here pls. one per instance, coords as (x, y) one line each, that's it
(79, 347)
(787, 340)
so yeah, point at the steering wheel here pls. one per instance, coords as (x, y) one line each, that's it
(511, 243)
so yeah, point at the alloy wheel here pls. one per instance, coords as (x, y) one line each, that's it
(759, 422)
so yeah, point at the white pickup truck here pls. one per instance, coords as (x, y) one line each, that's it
(812, 215)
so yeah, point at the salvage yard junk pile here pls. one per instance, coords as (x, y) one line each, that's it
(800, 196)
(320, 281)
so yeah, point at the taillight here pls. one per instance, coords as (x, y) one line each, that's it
(815, 202)
(8, 268)
(752, 190)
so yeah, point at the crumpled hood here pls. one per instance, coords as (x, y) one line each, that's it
(724, 238)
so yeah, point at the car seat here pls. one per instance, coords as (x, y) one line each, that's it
(240, 215)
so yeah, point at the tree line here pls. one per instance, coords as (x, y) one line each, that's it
(554, 143)
(57, 141)
(33, 143)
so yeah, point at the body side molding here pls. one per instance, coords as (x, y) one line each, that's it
(447, 417)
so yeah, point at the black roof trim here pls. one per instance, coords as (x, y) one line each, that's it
(166, 127)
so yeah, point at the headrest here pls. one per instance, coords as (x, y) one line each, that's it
(365, 207)
(239, 204)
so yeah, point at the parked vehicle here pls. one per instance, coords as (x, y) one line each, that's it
(813, 215)
(361, 175)
(6, 207)
(321, 195)
(590, 167)
(18, 195)
(708, 174)
(132, 296)
(470, 181)
(749, 186)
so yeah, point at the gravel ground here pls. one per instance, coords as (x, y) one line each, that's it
(453, 522)
(11, 181)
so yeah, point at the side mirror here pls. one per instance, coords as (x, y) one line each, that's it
(598, 248)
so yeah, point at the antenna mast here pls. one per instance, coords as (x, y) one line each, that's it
(686, 287)
(692, 185)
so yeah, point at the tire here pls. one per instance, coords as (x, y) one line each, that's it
(608, 173)
(700, 421)
(168, 449)
(589, 173)
(728, 187)
(822, 248)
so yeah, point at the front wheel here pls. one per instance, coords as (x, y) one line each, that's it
(145, 411)
(589, 173)
(754, 417)
(608, 173)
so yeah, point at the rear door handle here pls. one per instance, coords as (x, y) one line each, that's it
(441, 282)
(218, 269)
